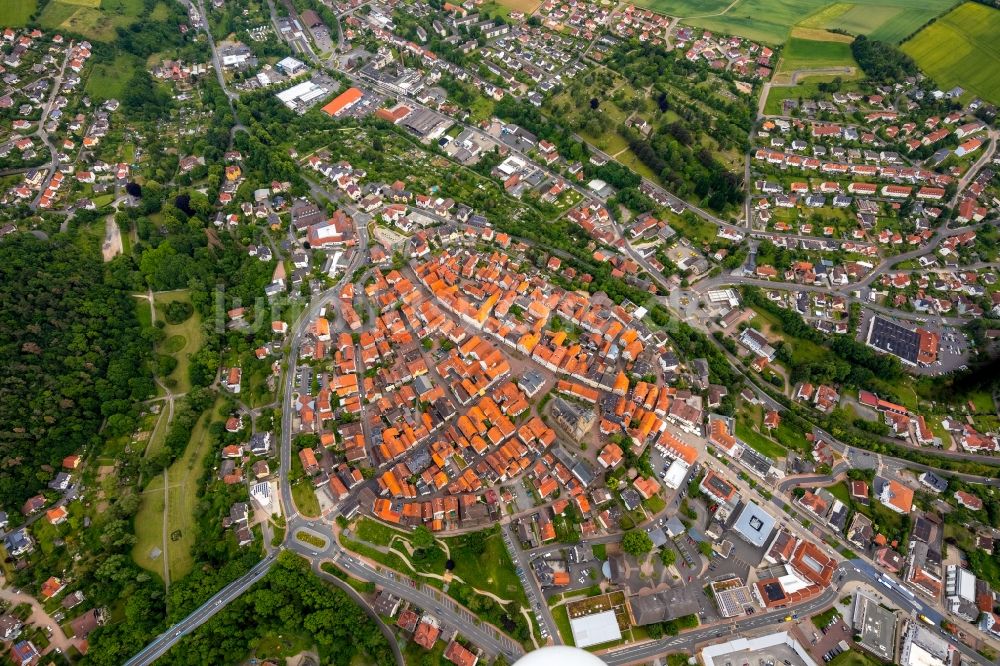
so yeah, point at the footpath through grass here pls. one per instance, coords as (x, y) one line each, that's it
(178, 511)
(181, 340)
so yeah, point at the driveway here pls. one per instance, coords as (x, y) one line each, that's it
(38, 617)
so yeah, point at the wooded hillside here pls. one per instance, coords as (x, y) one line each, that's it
(71, 355)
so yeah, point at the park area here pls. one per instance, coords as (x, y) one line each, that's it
(165, 525)
(962, 49)
(771, 21)
(182, 335)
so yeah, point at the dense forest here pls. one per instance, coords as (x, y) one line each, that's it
(292, 603)
(882, 61)
(71, 355)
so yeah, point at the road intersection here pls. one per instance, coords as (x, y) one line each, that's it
(483, 635)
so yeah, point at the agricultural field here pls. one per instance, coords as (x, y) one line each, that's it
(887, 20)
(16, 13)
(94, 19)
(961, 49)
(802, 53)
(771, 21)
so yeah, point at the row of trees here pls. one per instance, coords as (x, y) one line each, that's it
(882, 61)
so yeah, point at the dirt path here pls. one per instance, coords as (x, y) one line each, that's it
(112, 239)
(166, 537)
(719, 13)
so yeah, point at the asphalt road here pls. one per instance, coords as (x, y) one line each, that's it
(174, 634)
(854, 570)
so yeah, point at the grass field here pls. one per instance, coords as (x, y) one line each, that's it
(188, 331)
(184, 476)
(108, 80)
(492, 570)
(526, 6)
(759, 442)
(305, 500)
(94, 19)
(802, 53)
(961, 49)
(806, 90)
(771, 21)
(179, 509)
(149, 528)
(16, 13)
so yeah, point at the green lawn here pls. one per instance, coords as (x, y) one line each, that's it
(377, 533)
(695, 229)
(961, 49)
(803, 351)
(759, 442)
(561, 616)
(390, 560)
(790, 437)
(304, 496)
(283, 645)
(179, 512)
(853, 658)
(159, 432)
(802, 53)
(492, 570)
(182, 497)
(982, 401)
(16, 13)
(107, 80)
(91, 22)
(306, 537)
(840, 491)
(149, 527)
(655, 504)
(188, 331)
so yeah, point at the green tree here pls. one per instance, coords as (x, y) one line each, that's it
(637, 543)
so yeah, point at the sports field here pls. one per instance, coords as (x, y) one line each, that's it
(771, 21)
(962, 48)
